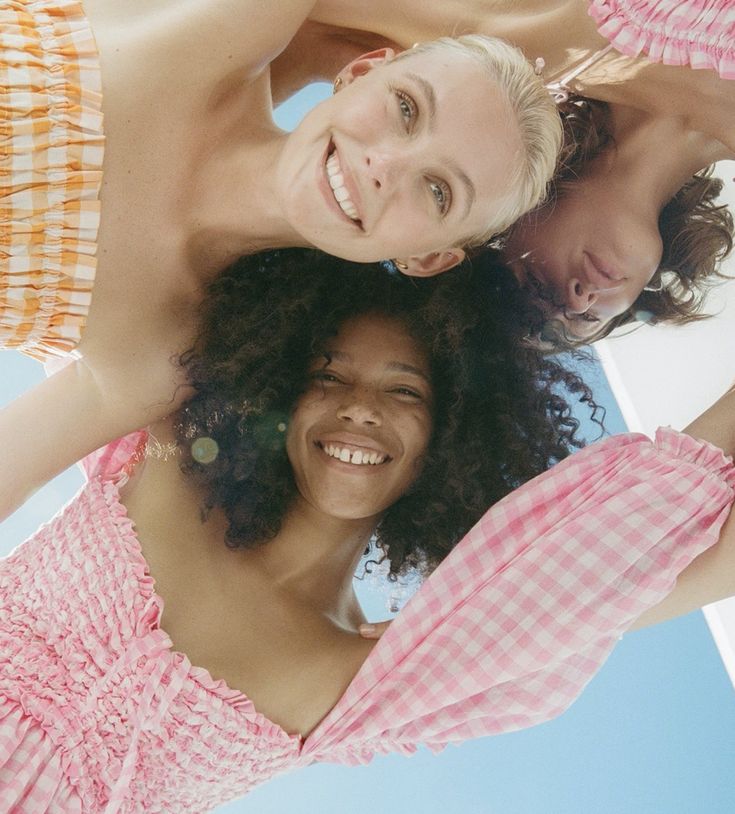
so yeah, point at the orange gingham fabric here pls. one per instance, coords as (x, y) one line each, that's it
(51, 150)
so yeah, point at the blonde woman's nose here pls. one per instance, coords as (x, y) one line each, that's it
(383, 166)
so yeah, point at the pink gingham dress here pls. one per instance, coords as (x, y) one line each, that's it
(99, 714)
(51, 151)
(697, 33)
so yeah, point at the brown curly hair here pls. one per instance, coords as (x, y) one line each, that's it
(501, 413)
(696, 231)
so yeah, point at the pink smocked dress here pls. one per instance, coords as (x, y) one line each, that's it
(697, 33)
(99, 714)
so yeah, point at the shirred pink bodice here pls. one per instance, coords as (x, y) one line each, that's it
(504, 634)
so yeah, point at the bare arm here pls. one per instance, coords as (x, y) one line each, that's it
(71, 414)
(708, 578)
(711, 576)
(317, 53)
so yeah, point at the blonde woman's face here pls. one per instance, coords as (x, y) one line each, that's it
(408, 158)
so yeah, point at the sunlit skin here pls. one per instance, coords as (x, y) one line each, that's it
(197, 174)
(561, 32)
(424, 170)
(599, 244)
(294, 596)
(370, 392)
(595, 249)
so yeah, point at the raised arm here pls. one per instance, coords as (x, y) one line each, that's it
(71, 414)
(711, 576)
(317, 53)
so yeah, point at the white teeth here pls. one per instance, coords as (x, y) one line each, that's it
(337, 183)
(358, 457)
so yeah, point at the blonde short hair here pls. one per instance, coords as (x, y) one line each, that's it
(538, 120)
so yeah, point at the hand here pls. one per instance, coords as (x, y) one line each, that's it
(374, 630)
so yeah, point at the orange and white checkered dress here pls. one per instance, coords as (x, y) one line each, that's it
(51, 150)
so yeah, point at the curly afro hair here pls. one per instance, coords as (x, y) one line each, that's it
(501, 415)
(696, 231)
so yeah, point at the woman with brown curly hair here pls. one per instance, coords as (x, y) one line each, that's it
(632, 231)
(186, 627)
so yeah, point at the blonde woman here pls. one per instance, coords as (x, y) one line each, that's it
(636, 232)
(195, 173)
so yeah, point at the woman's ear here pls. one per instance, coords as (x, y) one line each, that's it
(362, 65)
(429, 265)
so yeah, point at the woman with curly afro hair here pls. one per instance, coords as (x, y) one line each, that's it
(499, 412)
(186, 627)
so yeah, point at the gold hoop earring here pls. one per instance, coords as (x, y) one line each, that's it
(337, 84)
(400, 265)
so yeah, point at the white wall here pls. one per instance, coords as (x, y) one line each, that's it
(669, 376)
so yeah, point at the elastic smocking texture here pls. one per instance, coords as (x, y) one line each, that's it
(51, 152)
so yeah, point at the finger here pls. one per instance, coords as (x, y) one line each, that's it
(374, 630)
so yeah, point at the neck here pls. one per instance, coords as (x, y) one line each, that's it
(659, 152)
(313, 558)
(232, 206)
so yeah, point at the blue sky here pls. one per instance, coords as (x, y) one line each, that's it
(654, 733)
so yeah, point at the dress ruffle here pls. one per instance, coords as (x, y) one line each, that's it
(697, 33)
(709, 458)
(504, 634)
(51, 152)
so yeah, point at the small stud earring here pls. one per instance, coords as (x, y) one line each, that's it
(337, 84)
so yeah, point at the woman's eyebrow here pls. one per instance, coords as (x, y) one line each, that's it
(402, 367)
(428, 92)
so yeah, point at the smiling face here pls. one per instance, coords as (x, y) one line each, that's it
(594, 249)
(357, 436)
(411, 157)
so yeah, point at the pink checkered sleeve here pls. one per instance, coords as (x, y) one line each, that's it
(116, 457)
(519, 617)
(697, 33)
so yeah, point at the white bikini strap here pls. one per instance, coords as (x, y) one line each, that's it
(560, 89)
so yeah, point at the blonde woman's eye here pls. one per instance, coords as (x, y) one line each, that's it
(442, 195)
(407, 108)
